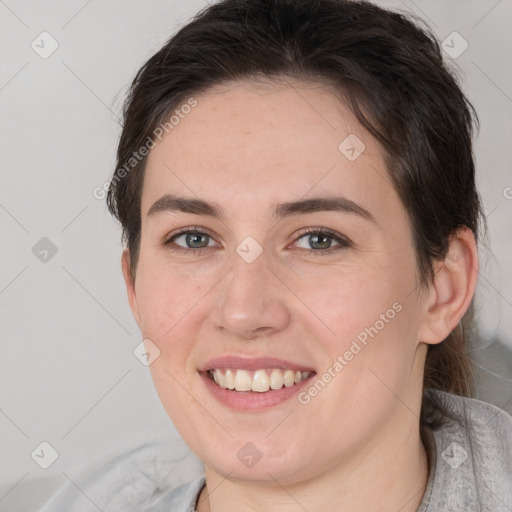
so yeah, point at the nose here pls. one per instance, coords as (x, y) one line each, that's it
(251, 301)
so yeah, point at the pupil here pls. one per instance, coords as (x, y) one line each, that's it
(194, 237)
(315, 239)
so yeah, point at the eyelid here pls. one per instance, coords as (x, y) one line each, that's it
(185, 231)
(343, 242)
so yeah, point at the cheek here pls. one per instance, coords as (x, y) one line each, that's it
(365, 315)
(345, 300)
(166, 299)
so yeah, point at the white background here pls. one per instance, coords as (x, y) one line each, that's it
(68, 375)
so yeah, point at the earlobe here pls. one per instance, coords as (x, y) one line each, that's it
(453, 288)
(130, 285)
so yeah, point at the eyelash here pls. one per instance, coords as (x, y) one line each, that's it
(343, 242)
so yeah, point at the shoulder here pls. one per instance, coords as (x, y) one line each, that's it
(484, 428)
(473, 460)
(180, 499)
(130, 482)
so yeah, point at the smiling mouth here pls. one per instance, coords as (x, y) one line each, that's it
(258, 381)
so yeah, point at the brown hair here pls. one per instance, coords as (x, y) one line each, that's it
(394, 79)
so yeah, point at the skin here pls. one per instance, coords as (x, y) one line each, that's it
(356, 445)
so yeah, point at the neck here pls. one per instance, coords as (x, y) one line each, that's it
(388, 477)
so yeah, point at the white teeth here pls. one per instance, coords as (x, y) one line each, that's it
(243, 381)
(276, 379)
(260, 381)
(230, 379)
(220, 379)
(289, 378)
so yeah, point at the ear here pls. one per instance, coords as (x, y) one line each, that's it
(130, 286)
(454, 285)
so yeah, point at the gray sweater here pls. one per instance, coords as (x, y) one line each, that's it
(471, 471)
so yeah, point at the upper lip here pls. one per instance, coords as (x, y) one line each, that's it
(253, 363)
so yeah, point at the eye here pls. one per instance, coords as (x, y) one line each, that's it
(193, 241)
(320, 241)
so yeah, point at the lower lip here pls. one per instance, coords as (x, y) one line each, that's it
(252, 400)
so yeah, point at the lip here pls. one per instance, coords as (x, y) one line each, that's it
(253, 363)
(252, 400)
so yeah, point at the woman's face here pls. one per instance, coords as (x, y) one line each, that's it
(255, 284)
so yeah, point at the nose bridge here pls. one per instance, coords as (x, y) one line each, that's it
(250, 302)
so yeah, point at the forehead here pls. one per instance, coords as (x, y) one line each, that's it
(249, 145)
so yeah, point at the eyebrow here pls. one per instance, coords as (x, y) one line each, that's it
(172, 203)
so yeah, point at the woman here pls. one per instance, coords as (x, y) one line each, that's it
(296, 187)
